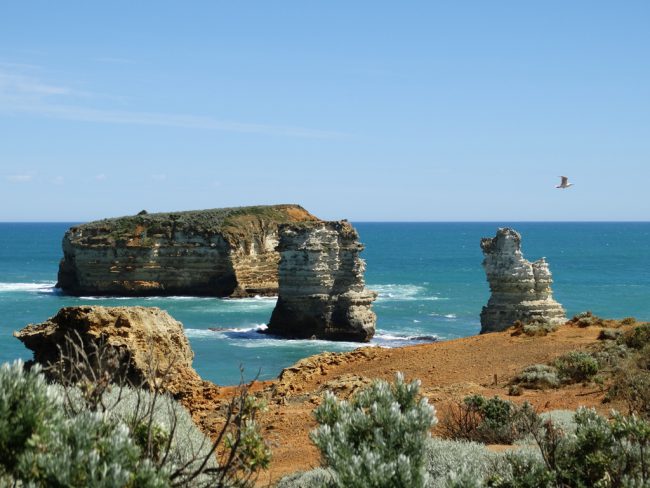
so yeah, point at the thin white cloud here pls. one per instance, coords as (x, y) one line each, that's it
(159, 177)
(112, 60)
(100, 177)
(59, 180)
(20, 178)
(21, 94)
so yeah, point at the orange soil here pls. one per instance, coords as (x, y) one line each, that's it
(449, 371)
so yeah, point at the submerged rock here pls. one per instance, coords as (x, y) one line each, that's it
(220, 252)
(322, 293)
(521, 290)
(151, 344)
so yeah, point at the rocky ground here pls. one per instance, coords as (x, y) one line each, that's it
(449, 371)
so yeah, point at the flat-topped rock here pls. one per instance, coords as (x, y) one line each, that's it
(521, 290)
(322, 292)
(227, 252)
(153, 347)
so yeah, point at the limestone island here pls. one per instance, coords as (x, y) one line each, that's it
(225, 252)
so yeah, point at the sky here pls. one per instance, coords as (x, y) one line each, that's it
(365, 110)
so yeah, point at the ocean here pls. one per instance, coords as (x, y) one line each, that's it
(429, 277)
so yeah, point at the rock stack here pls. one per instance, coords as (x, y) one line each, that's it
(322, 293)
(521, 290)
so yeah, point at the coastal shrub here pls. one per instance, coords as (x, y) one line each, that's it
(631, 384)
(576, 367)
(445, 460)
(600, 453)
(90, 450)
(536, 328)
(41, 446)
(90, 379)
(628, 321)
(538, 376)
(488, 420)
(315, 478)
(378, 437)
(637, 338)
(609, 334)
(452, 463)
(89, 431)
(28, 410)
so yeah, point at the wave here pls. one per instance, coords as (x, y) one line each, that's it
(44, 287)
(228, 333)
(255, 337)
(450, 316)
(404, 292)
(386, 339)
(255, 299)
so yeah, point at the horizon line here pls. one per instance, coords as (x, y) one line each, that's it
(390, 221)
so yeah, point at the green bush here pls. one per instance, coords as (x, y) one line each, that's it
(445, 460)
(576, 367)
(538, 376)
(43, 447)
(632, 385)
(450, 463)
(488, 420)
(600, 453)
(377, 439)
(637, 338)
(28, 410)
(131, 437)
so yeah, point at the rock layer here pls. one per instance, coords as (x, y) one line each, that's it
(152, 346)
(521, 290)
(322, 293)
(220, 252)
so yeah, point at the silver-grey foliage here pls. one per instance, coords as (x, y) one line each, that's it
(378, 438)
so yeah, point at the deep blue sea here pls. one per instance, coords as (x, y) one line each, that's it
(428, 275)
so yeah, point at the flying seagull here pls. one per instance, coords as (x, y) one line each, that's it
(564, 183)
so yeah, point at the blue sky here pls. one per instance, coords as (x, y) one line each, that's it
(360, 110)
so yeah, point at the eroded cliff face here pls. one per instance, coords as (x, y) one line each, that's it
(521, 290)
(220, 252)
(154, 351)
(322, 291)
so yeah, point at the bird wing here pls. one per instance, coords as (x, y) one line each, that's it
(565, 180)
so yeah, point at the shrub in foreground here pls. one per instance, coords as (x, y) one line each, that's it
(601, 453)
(488, 420)
(378, 438)
(88, 431)
(43, 447)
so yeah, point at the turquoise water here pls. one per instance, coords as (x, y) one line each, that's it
(428, 276)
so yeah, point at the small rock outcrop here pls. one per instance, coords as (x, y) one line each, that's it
(228, 252)
(152, 346)
(521, 290)
(322, 293)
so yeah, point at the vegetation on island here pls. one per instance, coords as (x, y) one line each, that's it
(146, 227)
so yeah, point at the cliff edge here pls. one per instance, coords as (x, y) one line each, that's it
(226, 252)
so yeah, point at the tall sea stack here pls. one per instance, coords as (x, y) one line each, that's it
(227, 252)
(322, 290)
(521, 290)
